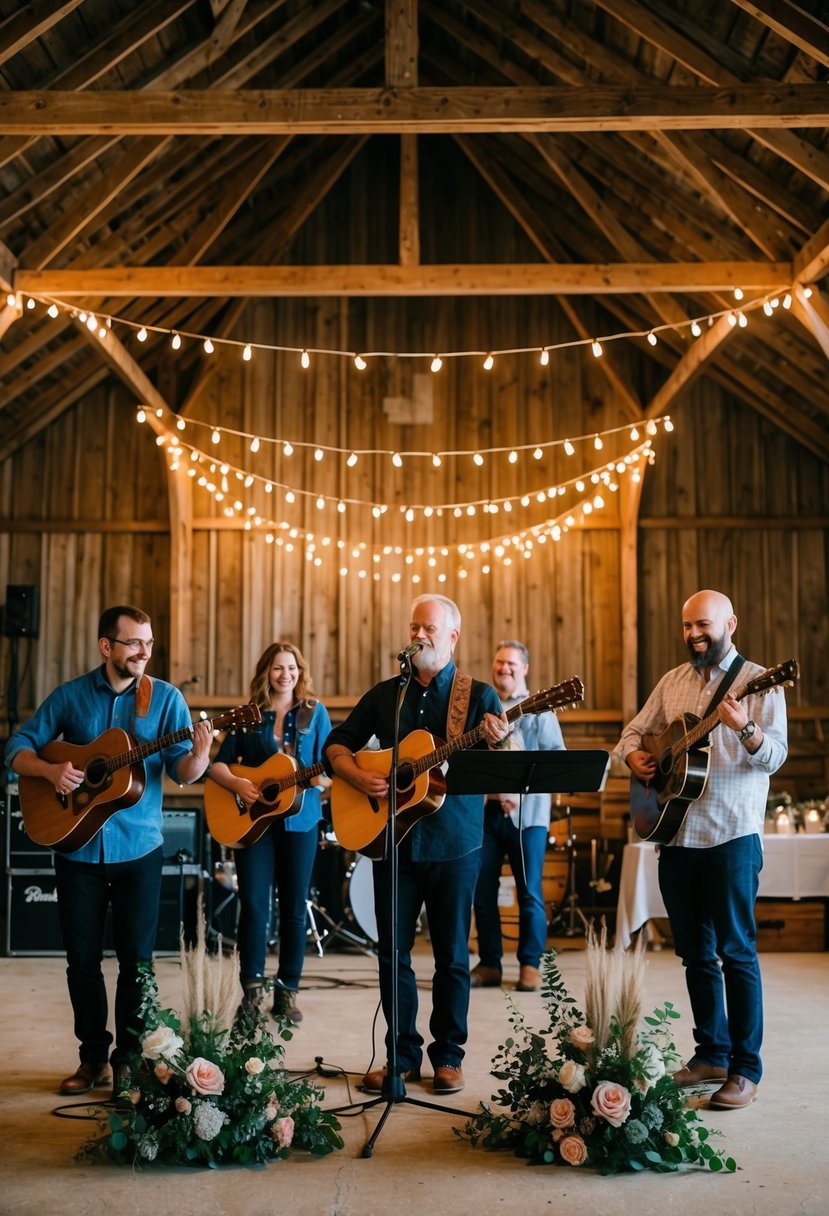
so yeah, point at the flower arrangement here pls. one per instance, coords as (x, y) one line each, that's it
(210, 1087)
(591, 1090)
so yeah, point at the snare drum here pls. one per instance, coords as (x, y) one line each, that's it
(358, 896)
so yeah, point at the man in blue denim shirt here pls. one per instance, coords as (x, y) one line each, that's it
(438, 859)
(121, 865)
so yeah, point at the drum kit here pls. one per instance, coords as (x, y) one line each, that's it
(340, 899)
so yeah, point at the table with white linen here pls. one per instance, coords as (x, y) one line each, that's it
(794, 867)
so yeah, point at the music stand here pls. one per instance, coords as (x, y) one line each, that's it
(544, 772)
(558, 772)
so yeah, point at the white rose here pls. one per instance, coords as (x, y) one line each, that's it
(254, 1065)
(161, 1043)
(571, 1076)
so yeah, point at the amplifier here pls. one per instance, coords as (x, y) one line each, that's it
(32, 925)
(21, 852)
(182, 834)
(33, 928)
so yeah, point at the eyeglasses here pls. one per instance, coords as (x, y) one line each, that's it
(133, 643)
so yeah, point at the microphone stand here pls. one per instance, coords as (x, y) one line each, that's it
(394, 1089)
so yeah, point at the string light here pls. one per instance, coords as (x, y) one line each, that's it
(695, 329)
(142, 334)
(305, 360)
(352, 460)
(247, 353)
(176, 341)
(489, 362)
(568, 447)
(437, 363)
(208, 347)
(738, 293)
(652, 339)
(596, 347)
(360, 363)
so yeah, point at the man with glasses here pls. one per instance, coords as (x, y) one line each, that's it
(120, 867)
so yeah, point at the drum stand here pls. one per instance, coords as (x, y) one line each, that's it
(336, 928)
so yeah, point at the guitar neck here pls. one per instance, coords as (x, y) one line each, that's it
(469, 739)
(302, 776)
(702, 728)
(142, 750)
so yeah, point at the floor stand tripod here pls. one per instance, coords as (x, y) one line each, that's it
(336, 928)
(564, 922)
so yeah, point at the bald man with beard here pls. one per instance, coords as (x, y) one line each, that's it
(709, 873)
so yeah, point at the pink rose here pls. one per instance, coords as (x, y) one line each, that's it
(283, 1131)
(573, 1150)
(253, 1066)
(205, 1077)
(562, 1113)
(582, 1037)
(611, 1102)
(163, 1071)
(183, 1106)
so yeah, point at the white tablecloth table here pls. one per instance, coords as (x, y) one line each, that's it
(794, 867)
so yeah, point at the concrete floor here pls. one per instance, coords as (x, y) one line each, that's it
(418, 1165)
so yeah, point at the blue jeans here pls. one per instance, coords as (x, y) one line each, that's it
(525, 852)
(284, 859)
(709, 895)
(85, 891)
(447, 889)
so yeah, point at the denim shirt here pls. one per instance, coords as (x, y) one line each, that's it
(253, 748)
(82, 709)
(456, 828)
(537, 733)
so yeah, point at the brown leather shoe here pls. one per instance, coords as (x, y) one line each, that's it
(372, 1082)
(485, 977)
(448, 1080)
(284, 1004)
(529, 979)
(88, 1076)
(696, 1072)
(737, 1091)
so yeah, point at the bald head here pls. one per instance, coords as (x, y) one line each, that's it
(708, 621)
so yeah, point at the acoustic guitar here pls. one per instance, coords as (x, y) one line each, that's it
(359, 821)
(658, 807)
(114, 778)
(281, 787)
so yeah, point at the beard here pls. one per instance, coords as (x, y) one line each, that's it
(715, 651)
(429, 662)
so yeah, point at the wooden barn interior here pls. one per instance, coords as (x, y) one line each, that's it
(309, 308)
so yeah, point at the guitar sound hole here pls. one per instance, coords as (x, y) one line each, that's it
(405, 777)
(269, 793)
(96, 773)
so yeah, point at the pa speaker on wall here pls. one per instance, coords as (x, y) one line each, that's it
(21, 615)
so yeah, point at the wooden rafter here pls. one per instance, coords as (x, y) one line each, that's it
(792, 23)
(35, 20)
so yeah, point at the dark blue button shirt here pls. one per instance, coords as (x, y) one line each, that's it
(83, 709)
(456, 828)
(253, 748)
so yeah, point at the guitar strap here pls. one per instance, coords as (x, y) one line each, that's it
(458, 705)
(726, 682)
(302, 725)
(143, 696)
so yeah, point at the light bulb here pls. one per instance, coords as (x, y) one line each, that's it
(597, 443)
(287, 450)
(478, 459)
(176, 341)
(436, 460)
(359, 363)
(568, 447)
(215, 437)
(208, 347)
(141, 416)
(52, 310)
(669, 426)
(437, 363)
(695, 329)
(652, 339)
(513, 458)
(544, 357)
(738, 293)
(254, 444)
(305, 359)
(142, 334)
(489, 362)
(597, 349)
(319, 455)
(352, 460)
(247, 353)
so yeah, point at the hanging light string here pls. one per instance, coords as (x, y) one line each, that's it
(437, 456)
(102, 323)
(400, 562)
(206, 467)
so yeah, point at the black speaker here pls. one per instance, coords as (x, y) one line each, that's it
(21, 616)
(180, 888)
(32, 925)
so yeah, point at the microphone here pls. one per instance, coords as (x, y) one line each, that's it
(410, 651)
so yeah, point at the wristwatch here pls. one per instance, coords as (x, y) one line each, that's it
(747, 731)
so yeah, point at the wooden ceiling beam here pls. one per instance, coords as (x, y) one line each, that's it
(120, 41)
(536, 229)
(813, 315)
(401, 50)
(379, 280)
(31, 23)
(419, 110)
(793, 24)
(812, 261)
(665, 32)
(690, 366)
